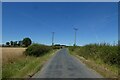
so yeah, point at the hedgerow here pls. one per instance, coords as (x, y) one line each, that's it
(106, 52)
(37, 50)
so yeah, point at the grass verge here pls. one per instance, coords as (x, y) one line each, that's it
(25, 67)
(105, 70)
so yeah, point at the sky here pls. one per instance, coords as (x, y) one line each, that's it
(96, 22)
(60, 0)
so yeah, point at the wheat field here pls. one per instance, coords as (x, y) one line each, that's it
(11, 54)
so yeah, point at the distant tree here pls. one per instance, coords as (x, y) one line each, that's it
(74, 45)
(15, 43)
(27, 42)
(3, 45)
(11, 43)
(19, 43)
(118, 42)
(7, 43)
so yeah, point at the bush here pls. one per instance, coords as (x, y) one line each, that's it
(56, 47)
(73, 48)
(37, 50)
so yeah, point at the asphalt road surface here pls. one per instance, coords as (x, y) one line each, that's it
(63, 65)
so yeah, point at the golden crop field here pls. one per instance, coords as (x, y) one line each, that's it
(11, 54)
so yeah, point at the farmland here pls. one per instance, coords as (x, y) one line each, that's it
(17, 65)
(11, 54)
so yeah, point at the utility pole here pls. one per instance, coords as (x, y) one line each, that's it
(53, 38)
(75, 36)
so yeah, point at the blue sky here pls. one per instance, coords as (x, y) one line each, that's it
(96, 22)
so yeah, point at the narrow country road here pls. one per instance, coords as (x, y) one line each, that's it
(63, 65)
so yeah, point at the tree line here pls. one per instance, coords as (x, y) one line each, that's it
(22, 43)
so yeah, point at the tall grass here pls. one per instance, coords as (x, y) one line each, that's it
(101, 57)
(19, 65)
(25, 67)
(105, 52)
